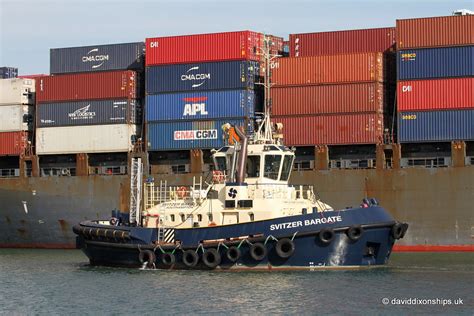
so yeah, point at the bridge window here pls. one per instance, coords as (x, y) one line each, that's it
(285, 171)
(221, 163)
(183, 218)
(253, 166)
(272, 166)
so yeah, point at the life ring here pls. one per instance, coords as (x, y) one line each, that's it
(168, 259)
(258, 251)
(190, 258)
(397, 231)
(233, 254)
(355, 232)
(181, 192)
(147, 256)
(217, 176)
(285, 248)
(211, 258)
(326, 235)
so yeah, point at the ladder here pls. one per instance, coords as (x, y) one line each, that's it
(136, 174)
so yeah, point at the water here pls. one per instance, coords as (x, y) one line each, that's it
(60, 282)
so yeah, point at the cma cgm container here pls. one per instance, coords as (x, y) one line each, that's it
(435, 32)
(16, 117)
(17, 91)
(97, 58)
(8, 72)
(331, 129)
(342, 42)
(341, 98)
(439, 62)
(419, 95)
(244, 45)
(92, 112)
(201, 76)
(85, 139)
(185, 135)
(87, 86)
(436, 126)
(366, 67)
(200, 105)
(13, 143)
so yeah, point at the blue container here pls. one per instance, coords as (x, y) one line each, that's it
(8, 72)
(435, 126)
(201, 76)
(183, 135)
(200, 105)
(435, 63)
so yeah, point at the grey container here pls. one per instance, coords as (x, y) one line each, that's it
(93, 112)
(97, 58)
(8, 72)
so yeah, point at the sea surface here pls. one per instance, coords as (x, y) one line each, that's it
(60, 282)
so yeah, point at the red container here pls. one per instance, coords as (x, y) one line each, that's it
(13, 143)
(342, 42)
(439, 94)
(87, 86)
(331, 129)
(435, 32)
(244, 45)
(365, 67)
(325, 99)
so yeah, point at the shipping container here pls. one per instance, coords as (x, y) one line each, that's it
(184, 135)
(13, 143)
(342, 42)
(200, 105)
(244, 45)
(436, 94)
(85, 139)
(326, 99)
(8, 72)
(367, 67)
(92, 112)
(127, 56)
(441, 62)
(200, 77)
(331, 129)
(88, 86)
(436, 126)
(435, 32)
(17, 91)
(16, 117)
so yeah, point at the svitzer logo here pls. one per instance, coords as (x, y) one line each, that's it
(94, 57)
(82, 114)
(196, 76)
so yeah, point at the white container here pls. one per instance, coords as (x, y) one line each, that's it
(85, 139)
(14, 118)
(17, 91)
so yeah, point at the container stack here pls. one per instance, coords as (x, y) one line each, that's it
(335, 87)
(435, 79)
(197, 83)
(91, 102)
(16, 115)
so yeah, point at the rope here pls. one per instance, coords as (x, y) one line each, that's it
(221, 244)
(200, 246)
(294, 235)
(270, 236)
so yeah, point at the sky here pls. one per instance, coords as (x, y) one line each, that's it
(29, 28)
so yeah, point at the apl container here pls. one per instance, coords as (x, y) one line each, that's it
(436, 94)
(366, 67)
(201, 76)
(331, 129)
(435, 126)
(342, 42)
(89, 112)
(435, 32)
(8, 72)
(441, 62)
(97, 58)
(16, 117)
(13, 143)
(184, 135)
(85, 139)
(200, 105)
(17, 91)
(87, 86)
(326, 99)
(244, 45)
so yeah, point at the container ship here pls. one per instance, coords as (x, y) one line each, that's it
(386, 112)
